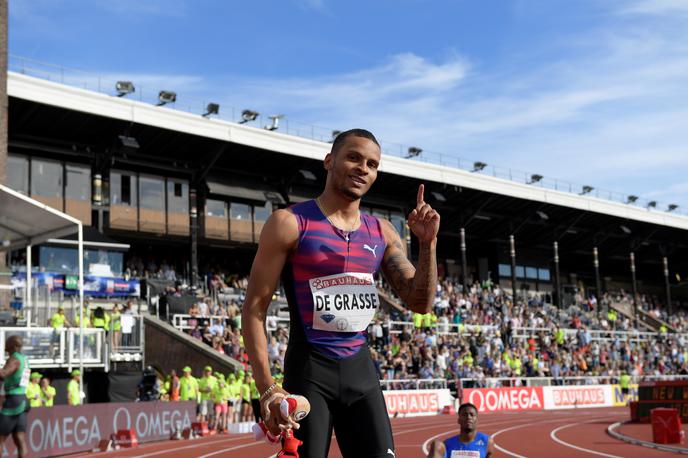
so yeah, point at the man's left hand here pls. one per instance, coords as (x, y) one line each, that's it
(424, 221)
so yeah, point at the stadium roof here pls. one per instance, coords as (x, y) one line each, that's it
(25, 221)
(76, 99)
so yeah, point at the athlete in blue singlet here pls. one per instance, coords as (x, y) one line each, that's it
(469, 443)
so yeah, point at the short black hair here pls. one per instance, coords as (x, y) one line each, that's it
(467, 405)
(342, 136)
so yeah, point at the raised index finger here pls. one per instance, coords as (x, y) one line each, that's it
(419, 199)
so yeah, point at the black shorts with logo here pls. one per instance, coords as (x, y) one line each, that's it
(345, 395)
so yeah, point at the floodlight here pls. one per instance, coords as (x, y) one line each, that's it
(652, 204)
(482, 217)
(631, 199)
(535, 178)
(478, 166)
(672, 207)
(625, 229)
(128, 142)
(438, 196)
(212, 109)
(542, 215)
(413, 151)
(248, 115)
(586, 190)
(275, 122)
(307, 174)
(165, 97)
(124, 87)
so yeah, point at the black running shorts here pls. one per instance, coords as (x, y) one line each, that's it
(344, 395)
(10, 424)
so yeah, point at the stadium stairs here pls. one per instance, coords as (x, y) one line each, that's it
(389, 302)
(646, 320)
(168, 348)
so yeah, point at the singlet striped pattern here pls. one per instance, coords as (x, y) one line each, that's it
(324, 250)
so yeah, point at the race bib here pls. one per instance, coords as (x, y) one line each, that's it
(344, 302)
(465, 454)
(26, 377)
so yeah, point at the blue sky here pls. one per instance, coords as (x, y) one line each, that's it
(591, 92)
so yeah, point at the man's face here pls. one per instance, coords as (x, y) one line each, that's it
(468, 419)
(352, 169)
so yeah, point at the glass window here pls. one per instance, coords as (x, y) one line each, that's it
(177, 196)
(152, 193)
(123, 188)
(240, 211)
(531, 272)
(399, 223)
(64, 260)
(78, 183)
(215, 208)
(504, 270)
(543, 274)
(261, 214)
(46, 178)
(18, 173)
(520, 272)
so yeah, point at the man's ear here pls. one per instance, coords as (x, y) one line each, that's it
(329, 160)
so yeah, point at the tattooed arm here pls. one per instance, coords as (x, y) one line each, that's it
(414, 286)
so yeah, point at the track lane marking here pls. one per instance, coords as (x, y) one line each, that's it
(553, 436)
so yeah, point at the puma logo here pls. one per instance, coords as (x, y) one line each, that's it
(372, 250)
(389, 450)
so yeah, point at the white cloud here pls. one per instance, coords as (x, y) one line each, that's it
(658, 7)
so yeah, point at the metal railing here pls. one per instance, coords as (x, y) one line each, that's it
(48, 347)
(505, 382)
(86, 80)
(414, 384)
(444, 328)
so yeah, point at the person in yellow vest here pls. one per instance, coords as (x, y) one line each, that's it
(48, 392)
(206, 384)
(87, 319)
(59, 320)
(74, 395)
(611, 317)
(116, 326)
(100, 319)
(234, 390)
(625, 384)
(188, 386)
(417, 320)
(427, 320)
(219, 397)
(246, 398)
(33, 391)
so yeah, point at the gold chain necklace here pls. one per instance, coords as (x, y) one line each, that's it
(353, 227)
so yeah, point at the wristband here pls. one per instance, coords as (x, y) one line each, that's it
(268, 391)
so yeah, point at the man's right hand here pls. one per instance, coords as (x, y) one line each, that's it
(274, 419)
(437, 450)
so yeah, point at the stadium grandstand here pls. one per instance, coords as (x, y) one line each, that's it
(542, 283)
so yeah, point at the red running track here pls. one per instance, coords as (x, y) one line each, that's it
(542, 434)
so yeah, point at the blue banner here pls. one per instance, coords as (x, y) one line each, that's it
(94, 285)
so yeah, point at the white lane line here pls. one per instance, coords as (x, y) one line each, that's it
(196, 445)
(426, 444)
(503, 450)
(553, 435)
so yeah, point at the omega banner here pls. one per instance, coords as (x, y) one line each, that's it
(61, 430)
